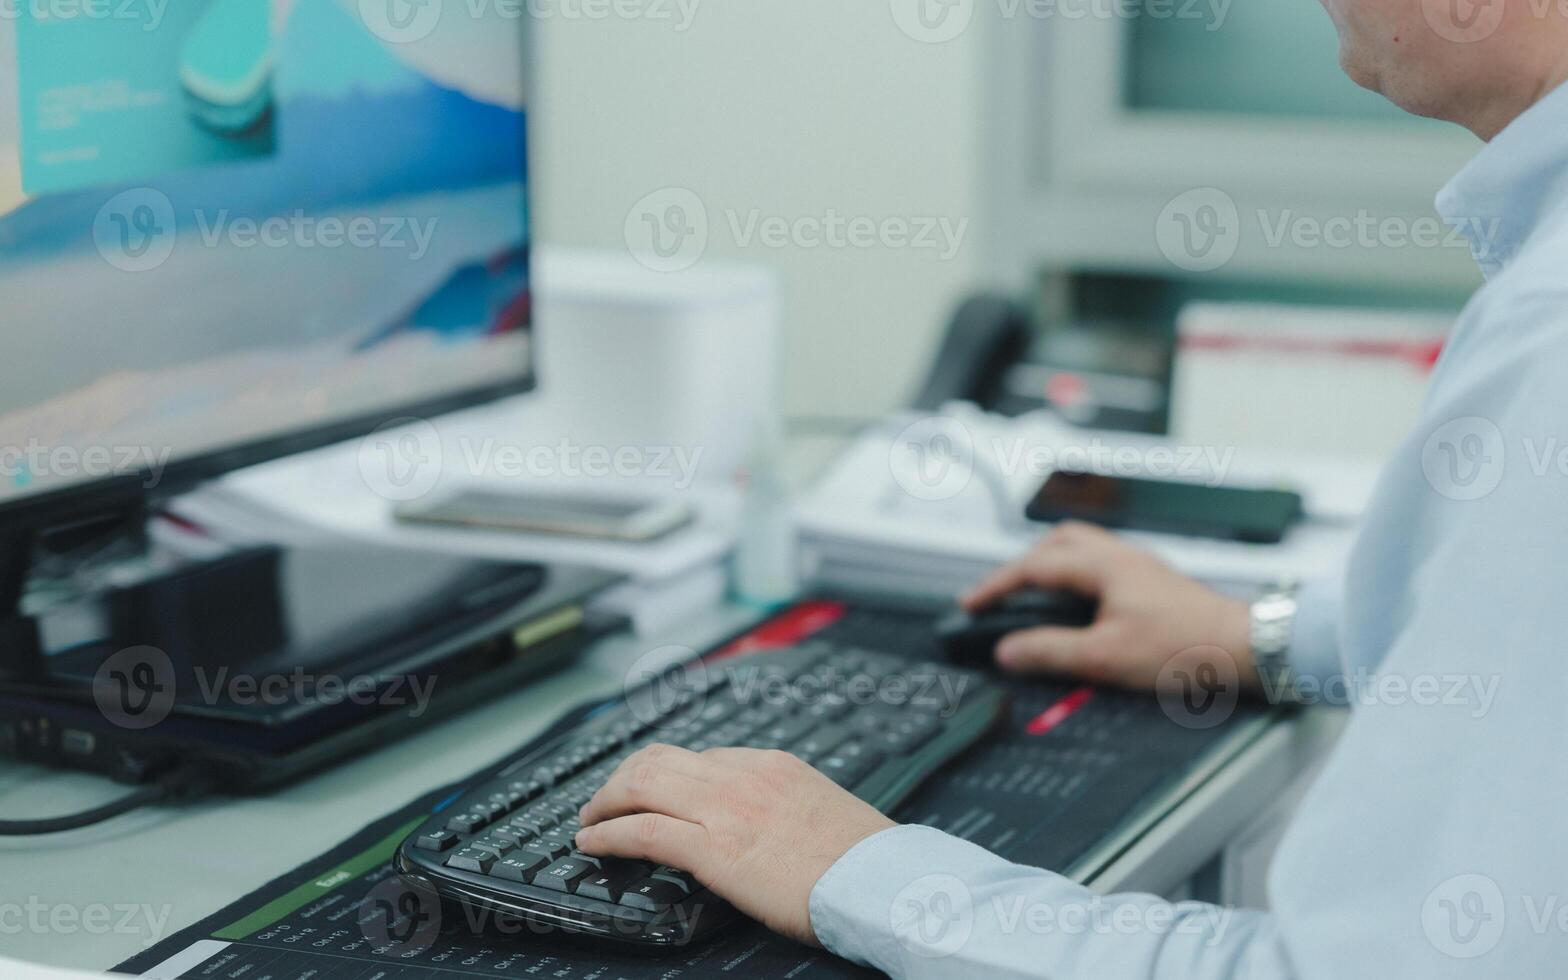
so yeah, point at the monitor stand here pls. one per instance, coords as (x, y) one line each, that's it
(118, 513)
(20, 656)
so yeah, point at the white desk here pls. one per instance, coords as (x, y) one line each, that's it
(168, 868)
(188, 862)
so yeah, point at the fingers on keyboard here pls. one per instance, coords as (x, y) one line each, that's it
(651, 837)
(648, 787)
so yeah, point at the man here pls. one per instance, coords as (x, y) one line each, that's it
(1431, 845)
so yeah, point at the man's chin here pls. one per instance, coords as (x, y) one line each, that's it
(1359, 68)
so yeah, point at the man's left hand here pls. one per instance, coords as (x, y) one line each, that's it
(759, 828)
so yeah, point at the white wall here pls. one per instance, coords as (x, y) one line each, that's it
(793, 107)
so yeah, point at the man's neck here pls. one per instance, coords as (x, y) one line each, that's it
(1490, 114)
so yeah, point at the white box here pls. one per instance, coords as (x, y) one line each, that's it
(632, 357)
(1338, 382)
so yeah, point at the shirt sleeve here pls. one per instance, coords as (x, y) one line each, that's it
(1315, 650)
(1429, 846)
(919, 904)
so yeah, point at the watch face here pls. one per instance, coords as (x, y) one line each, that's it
(1272, 617)
(1275, 609)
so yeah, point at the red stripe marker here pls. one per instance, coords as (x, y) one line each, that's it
(1057, 714)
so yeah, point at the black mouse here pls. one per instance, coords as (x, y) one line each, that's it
(971, 639)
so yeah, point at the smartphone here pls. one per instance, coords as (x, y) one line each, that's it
(1254, 516)
(605, 518)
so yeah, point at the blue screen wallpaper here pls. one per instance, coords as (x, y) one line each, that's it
(215, 227)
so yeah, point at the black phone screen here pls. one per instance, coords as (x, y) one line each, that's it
(1260, 516)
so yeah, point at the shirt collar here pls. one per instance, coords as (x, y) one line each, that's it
(1504, 194)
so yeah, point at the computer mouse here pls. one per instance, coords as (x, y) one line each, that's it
(971, 638)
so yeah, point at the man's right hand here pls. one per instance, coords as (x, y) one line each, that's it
(1149, 613)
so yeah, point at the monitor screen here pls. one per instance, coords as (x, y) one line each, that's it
(228, 224)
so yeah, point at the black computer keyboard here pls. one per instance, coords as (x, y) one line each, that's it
(877, 724)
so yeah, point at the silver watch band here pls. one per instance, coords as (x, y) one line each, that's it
(1273, 624)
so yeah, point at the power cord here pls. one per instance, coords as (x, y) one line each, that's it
(179, 783)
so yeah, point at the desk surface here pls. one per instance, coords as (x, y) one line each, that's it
(98, 896)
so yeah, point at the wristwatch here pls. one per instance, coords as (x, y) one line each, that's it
(1273, 622)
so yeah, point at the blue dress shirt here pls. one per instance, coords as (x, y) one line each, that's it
(1435, 842)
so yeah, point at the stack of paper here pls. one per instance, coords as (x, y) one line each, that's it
(296, 500)
(1345, 381)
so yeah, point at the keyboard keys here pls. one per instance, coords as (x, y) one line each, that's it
(717, 711)
(908, 736)
(822, 741)
(850, 763)
(840, 770)
(495, 845)
(506, 801)
(790, 730)
(558, 836)
(475, 859)
(564, 875)
(578, 795)
(545, 848)
(521, 829)
(770, 670)
(561, 810)
(625, 730)
(438, 841)
(759, 717)
(533, 822)
(872, 719)
(529, 788)
(612, 879)
(652, 895)
(881, 664)
(727, 736)
(860, 750)
(829, 707)
(520, 866)
(514, 835)
(690, 738)
(683, 880)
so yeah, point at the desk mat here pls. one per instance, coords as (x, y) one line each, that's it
(1045, 792)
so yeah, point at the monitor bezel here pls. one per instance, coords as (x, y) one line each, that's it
(40, 511)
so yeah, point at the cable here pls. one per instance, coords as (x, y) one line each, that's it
(164, 789)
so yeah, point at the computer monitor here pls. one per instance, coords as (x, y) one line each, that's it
(236, 229)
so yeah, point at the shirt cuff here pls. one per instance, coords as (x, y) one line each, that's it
(875, 905)
(1314, 642)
